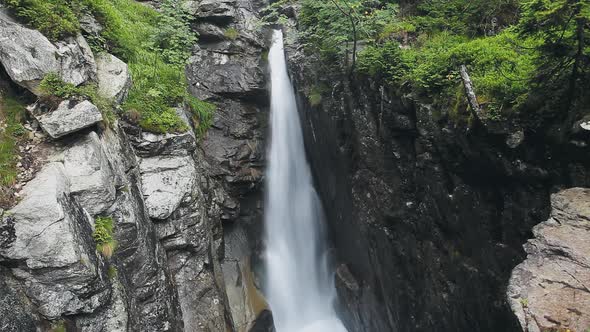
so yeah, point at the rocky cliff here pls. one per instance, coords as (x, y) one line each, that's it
(112, 228)
(184, 211)
(427, 216)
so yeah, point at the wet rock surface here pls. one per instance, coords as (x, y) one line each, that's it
(549, 290)
(228, 69)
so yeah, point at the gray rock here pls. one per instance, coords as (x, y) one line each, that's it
(90, 25)
(244, 299)
(77, 65)
(69, 117)
(22, 65)
(16, 312)
(88, 169)
(515, 139)
(166, 181)
(550, 290)
(53, 239)
(226, 70)
(150, 144)
(114, 79)
(213, 10)
(28, 56)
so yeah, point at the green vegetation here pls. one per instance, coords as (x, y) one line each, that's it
(54, 18)
(155, 45)
(516, 51)
(231, 33)
(59, 326)
(315, 95)
(11, 115)
(112, 272)
(103, 235)
(55, 90)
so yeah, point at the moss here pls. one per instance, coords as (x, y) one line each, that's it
(231, 33)
(103, 235)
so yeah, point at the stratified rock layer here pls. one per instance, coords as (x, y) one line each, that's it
(550, 290)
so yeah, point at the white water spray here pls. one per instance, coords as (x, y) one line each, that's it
(299, 287)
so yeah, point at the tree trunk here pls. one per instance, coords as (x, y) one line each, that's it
(470, 91)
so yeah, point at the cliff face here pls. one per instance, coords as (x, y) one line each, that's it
(427, 217)
(185, 212)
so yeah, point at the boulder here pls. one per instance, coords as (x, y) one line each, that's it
(70, 116)
(77, 64)
(52, 237)
(89, 171)
(550, 290)
(25, 67)
(27, 56)
(166, 182)
(114, 79)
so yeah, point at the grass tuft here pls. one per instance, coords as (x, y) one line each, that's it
(103, 235)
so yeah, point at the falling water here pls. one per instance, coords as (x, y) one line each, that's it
(299, 286)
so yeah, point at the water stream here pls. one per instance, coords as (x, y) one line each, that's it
(299, 286)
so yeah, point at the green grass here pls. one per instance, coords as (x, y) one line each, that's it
(103, 235)
(54, 18)
(11, 114)
(155, 45)
(54, 90)
(231, 33)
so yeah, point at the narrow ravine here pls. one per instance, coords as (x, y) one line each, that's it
(299, 285)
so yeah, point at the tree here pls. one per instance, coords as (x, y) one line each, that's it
(564, 28)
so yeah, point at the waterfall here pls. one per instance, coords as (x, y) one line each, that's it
(299, 286)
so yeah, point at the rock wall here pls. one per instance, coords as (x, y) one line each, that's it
(229, 69)
(550, 290)
(186, 211)
(427, 217)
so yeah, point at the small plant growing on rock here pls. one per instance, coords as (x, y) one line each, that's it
(112, 272)
(231, 33)
(103, 235)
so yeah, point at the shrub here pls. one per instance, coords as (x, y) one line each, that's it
(103, 235)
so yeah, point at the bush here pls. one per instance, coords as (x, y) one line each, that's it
(103, 235)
